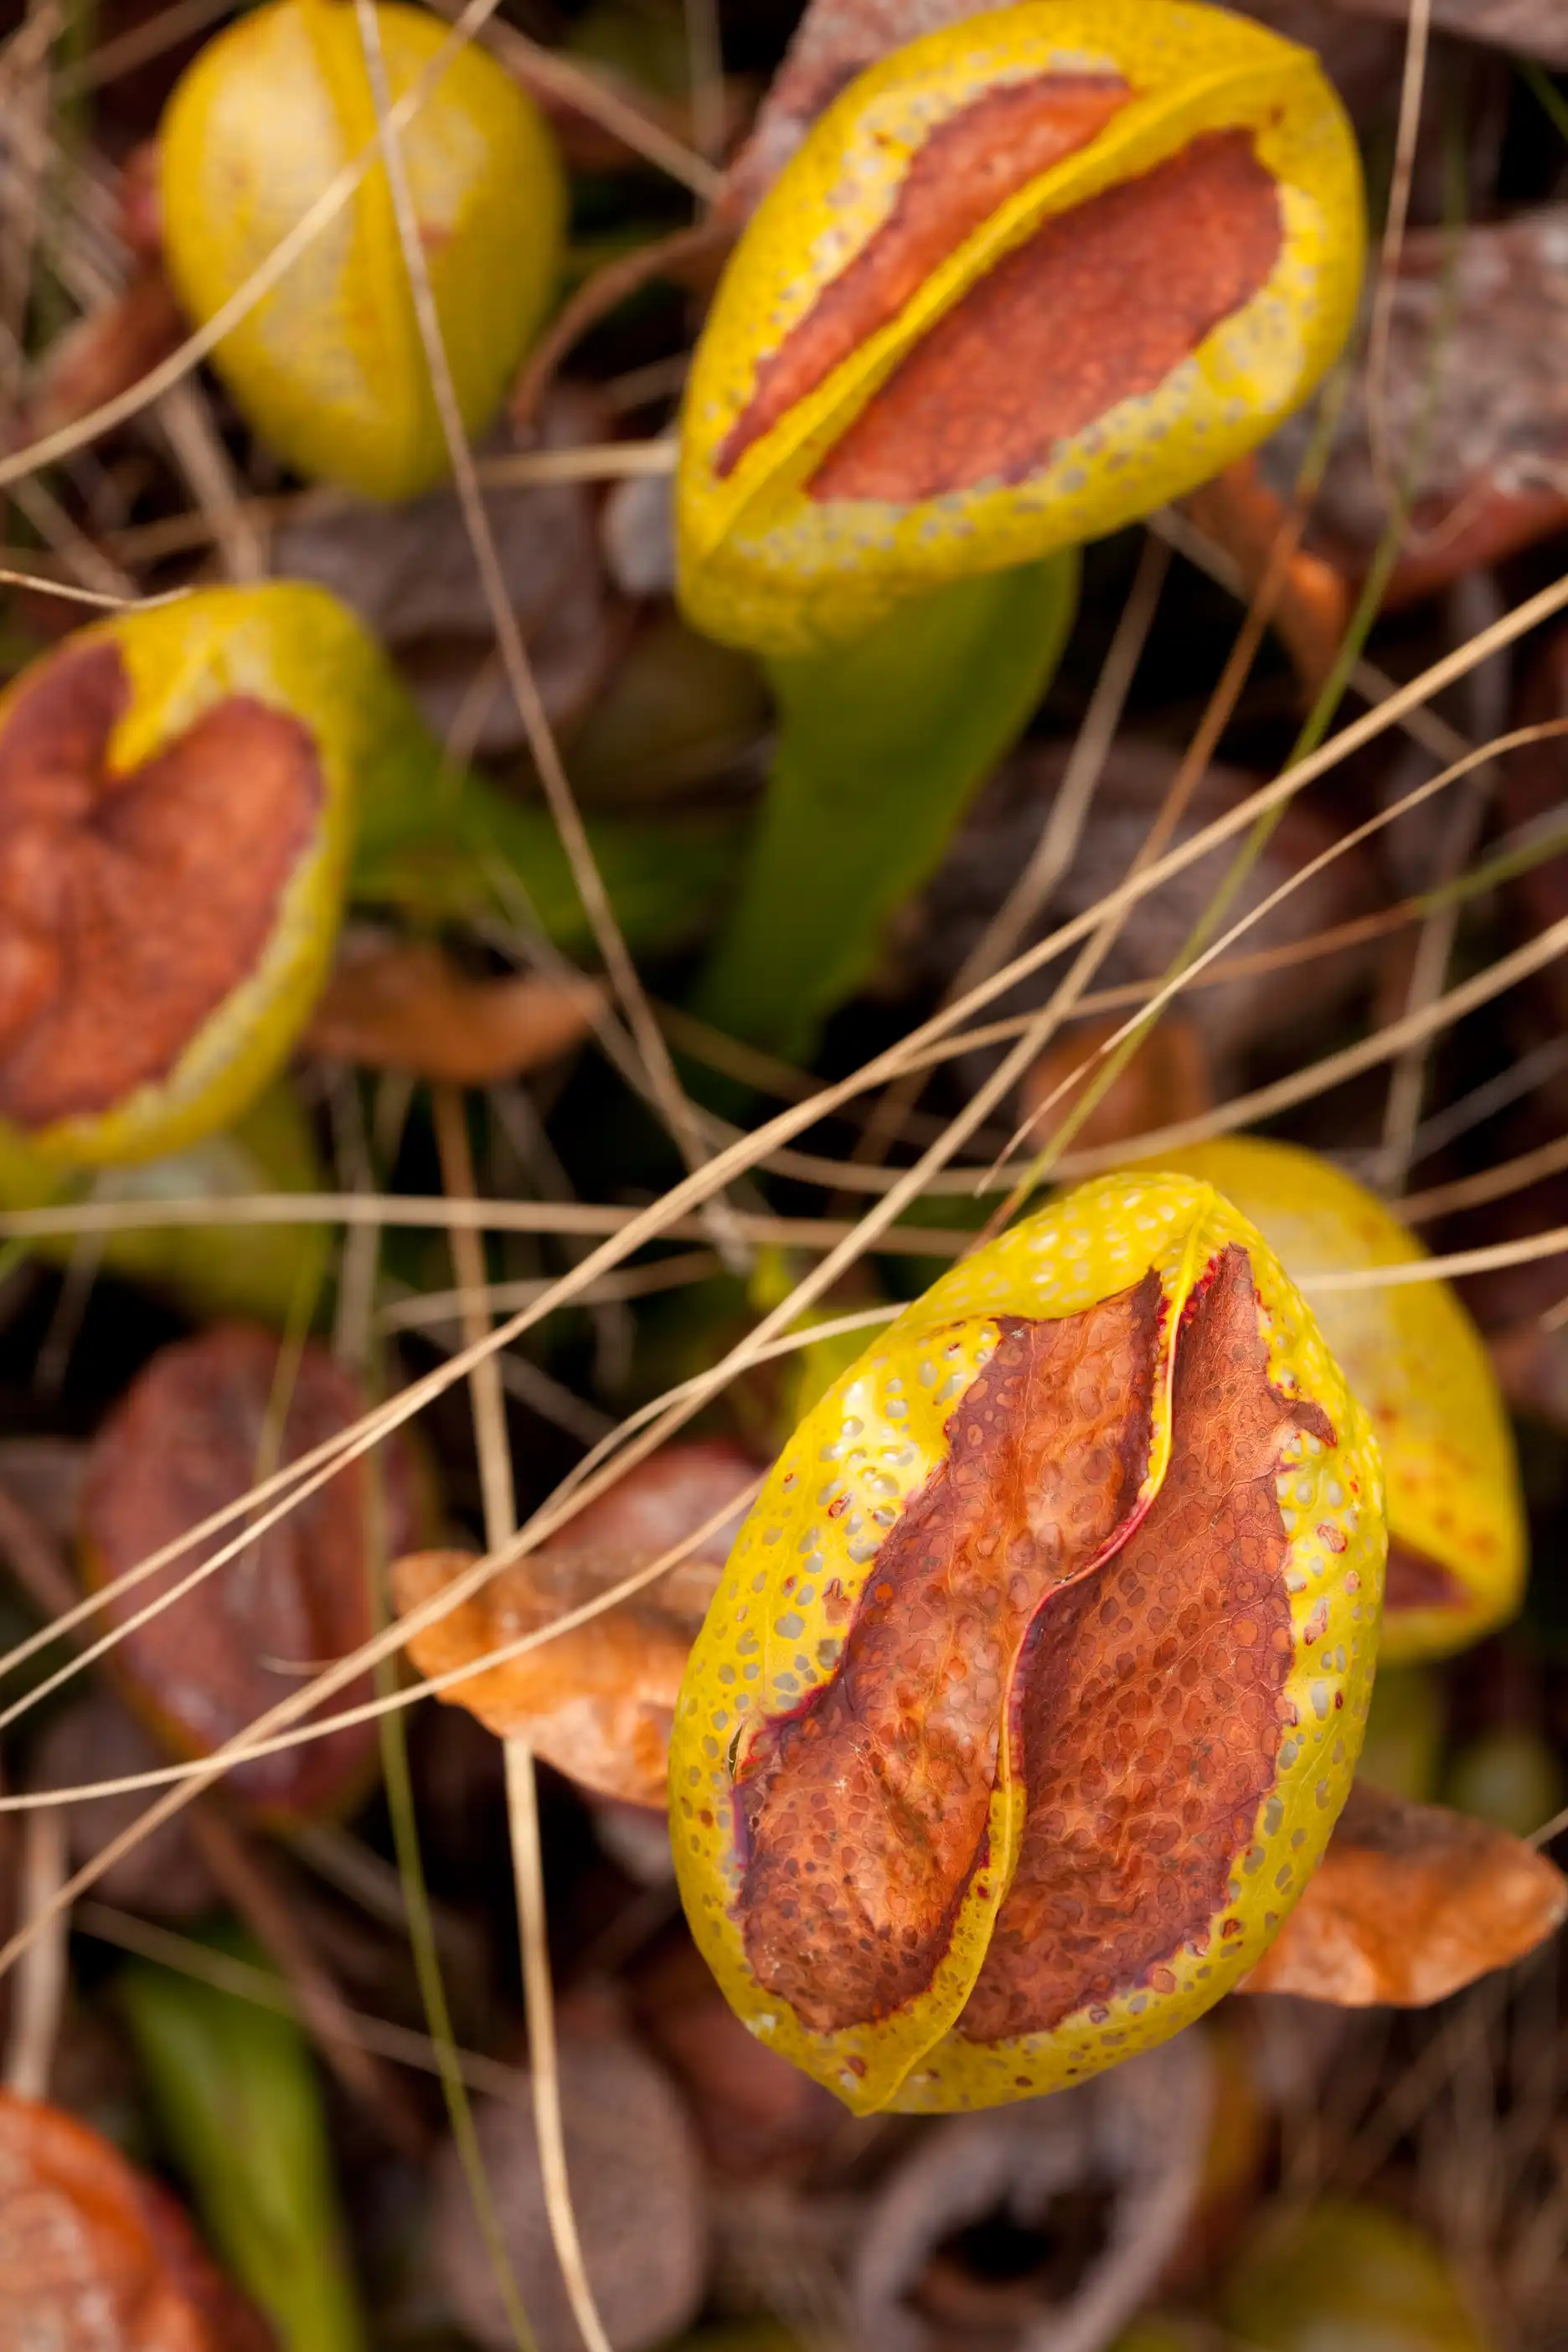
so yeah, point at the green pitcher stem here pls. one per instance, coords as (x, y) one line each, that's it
(882, 745)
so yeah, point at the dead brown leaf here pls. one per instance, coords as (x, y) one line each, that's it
(1002, 832)
(1531, 28)
(96, 2256)
(637, 2193)
(596, 1703)
(1245, 516)
(1494, 477)
(404, 1004)
(1410, 1903)
(409, 572)
(104, 352)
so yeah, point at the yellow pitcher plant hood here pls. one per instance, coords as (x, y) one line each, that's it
(1027, 278)
(1039, 1672)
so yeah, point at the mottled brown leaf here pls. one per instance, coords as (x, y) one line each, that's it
(404, 1004)
(104, 352)
(131, 906)
(1410, 1903)
(1530, 28)
(95, 2258)
(409, 571)
(596, 1703)
(637, 2193)
(195, 1430)
(1003, 831)
(867, 1812)
(1494, 472)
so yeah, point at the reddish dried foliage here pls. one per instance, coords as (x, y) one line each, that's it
(96, 2259)
(131, 906)
(1412, 1902)
(189, 1436)
(598, 1701)
(1100, 304)
(964, 171)
(867, 1812)
(1153, 1703)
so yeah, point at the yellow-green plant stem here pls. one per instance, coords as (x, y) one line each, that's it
(882, 745)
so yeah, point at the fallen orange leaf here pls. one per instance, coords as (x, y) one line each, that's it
(596, 1703)
(96, 2257)
(1410, 1903)
(403, 1005)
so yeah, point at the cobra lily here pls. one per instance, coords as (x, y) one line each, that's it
(1039, 1672)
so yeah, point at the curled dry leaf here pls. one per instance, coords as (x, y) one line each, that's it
(404, 1004)
(103, 353)
(175, 813)
(196, 1428)
(1410, 1903)
(327, 365)
(1456, 1537)
(1479, 338)
(1135, 2137)
(999, 838)
(96, 2257)
(1245, 517)
(598, 1702)
(1022, 282)
(408, 571)
(1037, 1672)
(636, 2190)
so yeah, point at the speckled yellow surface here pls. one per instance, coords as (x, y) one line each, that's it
(762, 564)
(1419, 1366)
(296, 649)
(328, 366)
(771, 1639)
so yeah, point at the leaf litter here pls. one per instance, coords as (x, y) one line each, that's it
(1056, 2220)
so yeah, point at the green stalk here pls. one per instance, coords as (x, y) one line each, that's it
(882, 745)
(235, 2091)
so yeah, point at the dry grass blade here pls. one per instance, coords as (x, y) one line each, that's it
(1411, 89)
(528, 1869)
(37, 585)
(607, 935)
(1179, 980)
(41, 1984)
(699, 1186)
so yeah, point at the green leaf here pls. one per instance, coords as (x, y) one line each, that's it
(235, 2091)
(882, 746)
(439, 846)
